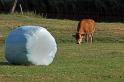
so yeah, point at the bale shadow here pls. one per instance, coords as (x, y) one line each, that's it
(4, 63)
(9, 64)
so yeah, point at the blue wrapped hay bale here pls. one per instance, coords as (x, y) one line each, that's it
(30, 45)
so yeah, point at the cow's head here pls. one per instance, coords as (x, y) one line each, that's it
(79, 38)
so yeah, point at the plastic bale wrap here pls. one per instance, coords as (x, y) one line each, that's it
(30, 45)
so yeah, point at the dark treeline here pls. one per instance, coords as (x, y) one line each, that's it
(112, 10)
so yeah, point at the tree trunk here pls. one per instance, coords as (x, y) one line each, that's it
(14, 6)
(21, 9)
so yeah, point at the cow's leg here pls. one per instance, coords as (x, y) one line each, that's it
(87, 37)
(91, 37)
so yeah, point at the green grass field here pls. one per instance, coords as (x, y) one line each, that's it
(102, 61)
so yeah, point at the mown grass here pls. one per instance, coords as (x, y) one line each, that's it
(101, 61)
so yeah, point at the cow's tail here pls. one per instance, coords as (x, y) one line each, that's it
(93, 26)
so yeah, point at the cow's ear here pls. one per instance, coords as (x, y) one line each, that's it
(74, 35)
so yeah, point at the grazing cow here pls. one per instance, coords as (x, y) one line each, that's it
(85, 29)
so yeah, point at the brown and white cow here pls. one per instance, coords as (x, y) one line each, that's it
(85, 29)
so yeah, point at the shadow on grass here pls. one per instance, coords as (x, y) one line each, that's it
(9, 64)
(4, 63)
